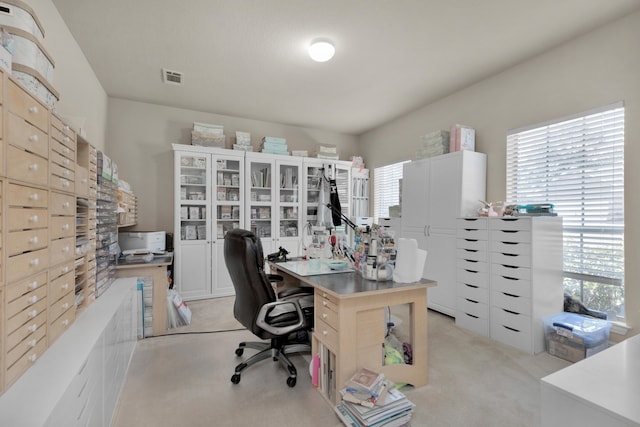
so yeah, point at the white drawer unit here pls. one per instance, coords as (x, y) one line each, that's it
(472, 275)
(525, 278)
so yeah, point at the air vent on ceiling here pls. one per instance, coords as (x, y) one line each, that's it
(171, 77)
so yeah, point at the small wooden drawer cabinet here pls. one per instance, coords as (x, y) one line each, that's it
(326, 319)
(472, 275)
(62, 156)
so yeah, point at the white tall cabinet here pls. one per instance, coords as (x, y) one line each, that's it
(436, 191)
(313, 171)
(209, 194)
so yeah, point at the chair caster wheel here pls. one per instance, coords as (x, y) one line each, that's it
(236, 379)
(291, 381)
(239, 351)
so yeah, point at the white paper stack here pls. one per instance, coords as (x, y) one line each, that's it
(409, 261)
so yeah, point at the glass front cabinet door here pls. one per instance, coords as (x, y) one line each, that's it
(289, 206)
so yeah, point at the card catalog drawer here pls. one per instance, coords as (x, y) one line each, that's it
(25, 219)
(27, 136)
(23, 287)
(21, 195)
(510, 302)
(26, 322)
(62, 226)
(513, 260)
(25, 301)
(511, 285)
(62, 250)
(26, 166)
(25, 362)
(26, 106)
(522, 224)
(27, 264)
(29, 240)
(62, 204)
(61, 286)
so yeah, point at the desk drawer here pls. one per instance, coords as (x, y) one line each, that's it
(325, 333)
(62, 149)
(325, 300)
(479, 325)
(63, 161)
(470, 277)
(327, 315)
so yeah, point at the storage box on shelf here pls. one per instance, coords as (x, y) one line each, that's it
(574, 337)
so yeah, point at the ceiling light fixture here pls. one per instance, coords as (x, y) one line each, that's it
(321, 50)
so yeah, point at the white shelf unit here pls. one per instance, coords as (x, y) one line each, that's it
(360, 192)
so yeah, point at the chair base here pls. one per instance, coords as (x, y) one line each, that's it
(276, 350)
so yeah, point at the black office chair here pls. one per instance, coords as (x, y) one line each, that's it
(285, 319)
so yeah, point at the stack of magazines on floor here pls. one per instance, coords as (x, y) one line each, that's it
(371, 400)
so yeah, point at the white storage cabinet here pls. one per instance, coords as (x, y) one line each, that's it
(435, 192)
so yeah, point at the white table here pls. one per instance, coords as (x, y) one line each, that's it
(602, 390)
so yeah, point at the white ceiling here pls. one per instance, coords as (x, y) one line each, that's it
(247, 58)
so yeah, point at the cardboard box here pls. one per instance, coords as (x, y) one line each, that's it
(574, 337)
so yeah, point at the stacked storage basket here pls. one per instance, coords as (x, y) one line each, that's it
(31, 65)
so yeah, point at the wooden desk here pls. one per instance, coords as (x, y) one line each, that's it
(349, 325)
(157, 270)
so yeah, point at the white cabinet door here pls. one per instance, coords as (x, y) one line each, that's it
(193, 270)
(222, 284)
(441, 267)
(445, 176)
(415, 197)
(261, 215)
(288, 205)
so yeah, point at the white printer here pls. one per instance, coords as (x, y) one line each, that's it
(142, 241)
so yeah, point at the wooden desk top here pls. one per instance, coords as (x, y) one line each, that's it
(351, 284)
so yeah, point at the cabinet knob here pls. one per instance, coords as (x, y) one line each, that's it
(33, 299)
(65, 183)
(325, 333)
(33, 218)
(34, 138)
(34, 197)
(65, 305)
(33, 167)
(33, 343)
(33, 285)
(34, 240)
(65, 286)
(65, 322)
(32, 314)
(324, 315)
(34, 262)
(32, 358)
(65, 227)
(34, 109)
(65, 249)
(324, 303)
(32, 328)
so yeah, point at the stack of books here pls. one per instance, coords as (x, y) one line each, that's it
(273, 145)
(433, 144)
(243, 141)
(370, 400)
(327, 151)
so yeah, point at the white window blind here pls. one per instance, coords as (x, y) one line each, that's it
(386, 189)
(577, 164)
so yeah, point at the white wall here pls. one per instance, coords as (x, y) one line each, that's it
(83, 101)
(597, 69)
(139, 140)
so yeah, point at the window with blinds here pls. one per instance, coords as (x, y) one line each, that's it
(577, 164)
(386, 189)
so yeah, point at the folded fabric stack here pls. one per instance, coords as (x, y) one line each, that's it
(273, 145)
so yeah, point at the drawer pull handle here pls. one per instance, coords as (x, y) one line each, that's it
(33, 167)
(65, 322)
(471, 286)
(66, 128)
(34, 110)
(65, 305)
(324, 315)
(65, 249)
(324, 303)
(65, 286)
(34, 197)
(472, 301)
(511, 329)
(32, 299)
(510, 295)
(33, 285)
(32, 358)
(509, 243)
(65, 150)
(33, 343)
(65, 227)
(470, 260)
(511, 312)
(34, 262)
(66, 139)
(325, 333)
(66, 172)
(66, 161)
(33, 218)
(32, 314)
(34, 138)
(471, 271)
(34, 240)
(32, 328)
(65, 269)
(66, 205)
(471, 315)
(510, 278)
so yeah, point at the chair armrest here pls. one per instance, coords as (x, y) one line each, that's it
(280, 331)
(275, 277)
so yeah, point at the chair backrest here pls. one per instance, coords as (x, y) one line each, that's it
(245, 262)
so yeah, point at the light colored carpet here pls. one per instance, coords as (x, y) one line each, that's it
(185, 380)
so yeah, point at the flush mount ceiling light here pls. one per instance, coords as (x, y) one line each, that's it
(321, 50)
